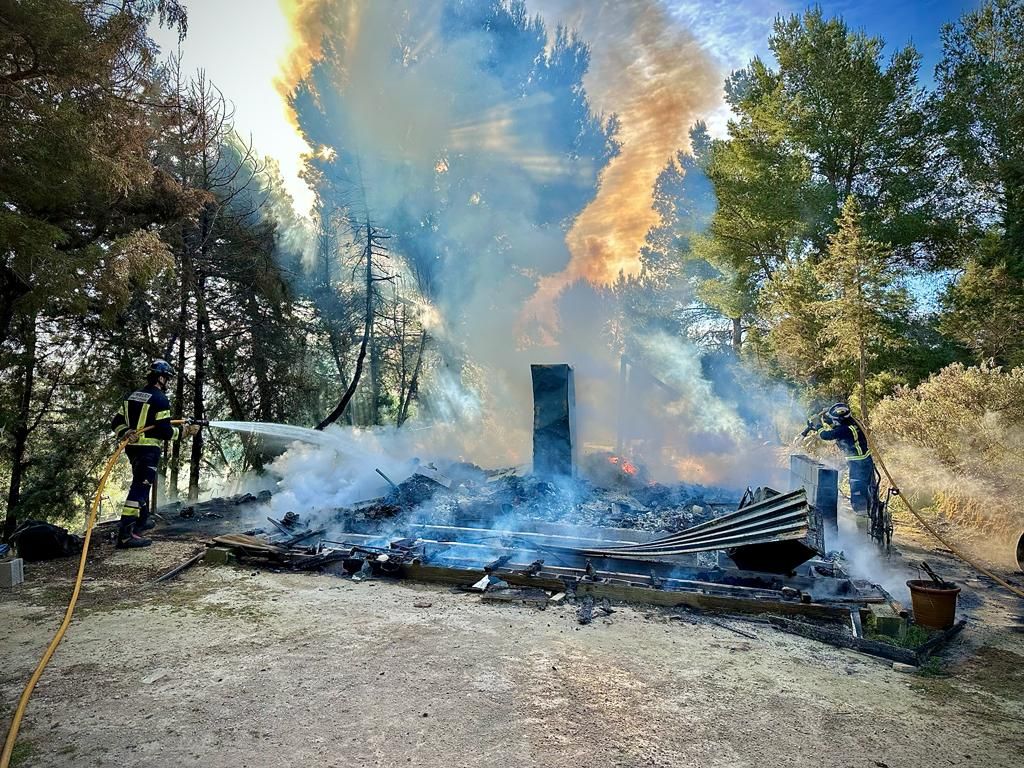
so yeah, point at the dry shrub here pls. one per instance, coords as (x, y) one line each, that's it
(955, 445)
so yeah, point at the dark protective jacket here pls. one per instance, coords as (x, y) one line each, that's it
(146, 407)
(851, 439)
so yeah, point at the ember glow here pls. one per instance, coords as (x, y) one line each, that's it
(624, 464)
(691, 469)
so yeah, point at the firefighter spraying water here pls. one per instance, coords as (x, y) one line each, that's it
(144, 421)
(838, 424)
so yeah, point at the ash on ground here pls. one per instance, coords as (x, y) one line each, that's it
(614, 494)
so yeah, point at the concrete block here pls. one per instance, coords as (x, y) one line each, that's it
(887, 621)
(218, 556)
(12, 572)
(822, 486)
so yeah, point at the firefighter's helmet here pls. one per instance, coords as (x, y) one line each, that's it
(838, 413)
(162, 368)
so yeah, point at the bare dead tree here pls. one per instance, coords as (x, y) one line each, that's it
(373, 249)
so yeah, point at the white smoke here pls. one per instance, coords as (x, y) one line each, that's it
(417, 103)
(342, 471)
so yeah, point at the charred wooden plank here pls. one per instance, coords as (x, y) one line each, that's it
(720, 603)
(585, 614)
(499, 563)
(303, 536)
(516, 595)
(936, 643)
(840, 638)
(180, 568)
(248, 543)
(280, 526)
(630, 593)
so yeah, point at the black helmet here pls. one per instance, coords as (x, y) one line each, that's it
(162, 368)
(839, 412)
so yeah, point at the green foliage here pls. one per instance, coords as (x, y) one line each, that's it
(831, 122)
(985, 304)
(980, 108)
(134, 223)
(956, 441)
(789, 343)
(81, 208)
(863, 306)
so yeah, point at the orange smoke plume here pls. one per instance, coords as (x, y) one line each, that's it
(646, 69)
(308, 21)
(657, 79)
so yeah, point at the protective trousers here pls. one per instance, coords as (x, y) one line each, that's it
(862, 484)
(145, 461)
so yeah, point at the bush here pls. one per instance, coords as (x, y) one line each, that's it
(955, 443)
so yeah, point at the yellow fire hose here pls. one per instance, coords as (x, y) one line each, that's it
(19, 712)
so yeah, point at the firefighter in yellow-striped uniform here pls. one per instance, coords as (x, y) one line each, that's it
(837, 423)
(146, 407)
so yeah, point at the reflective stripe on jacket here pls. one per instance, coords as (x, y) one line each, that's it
(146, 407)
(850, 437)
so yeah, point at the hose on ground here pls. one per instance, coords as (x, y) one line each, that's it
(19, 712)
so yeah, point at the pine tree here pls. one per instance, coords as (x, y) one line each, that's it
(863, 306)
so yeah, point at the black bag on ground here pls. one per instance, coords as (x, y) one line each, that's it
(38, 540)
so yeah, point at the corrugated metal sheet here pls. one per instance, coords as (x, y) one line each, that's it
(785, 525)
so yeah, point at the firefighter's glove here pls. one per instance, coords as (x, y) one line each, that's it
(190, 430)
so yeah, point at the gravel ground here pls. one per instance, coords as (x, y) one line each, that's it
(227, 667)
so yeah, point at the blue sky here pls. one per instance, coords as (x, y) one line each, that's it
(735, 31)
(899, 23)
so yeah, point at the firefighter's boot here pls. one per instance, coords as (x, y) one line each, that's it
(127, 538)
(145, 522)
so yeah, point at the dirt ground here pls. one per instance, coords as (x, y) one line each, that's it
(225, 666)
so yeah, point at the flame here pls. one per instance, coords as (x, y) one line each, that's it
(656, 77)
(624, 464)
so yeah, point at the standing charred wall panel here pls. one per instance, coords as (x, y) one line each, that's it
(822, 486)
(554, 420)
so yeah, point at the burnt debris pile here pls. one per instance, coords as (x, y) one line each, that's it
(588, 529)
(464, 493)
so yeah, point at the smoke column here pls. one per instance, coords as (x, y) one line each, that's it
(655, 77)
(456, 123)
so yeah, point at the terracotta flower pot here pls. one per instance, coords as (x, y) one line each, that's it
(934, 606)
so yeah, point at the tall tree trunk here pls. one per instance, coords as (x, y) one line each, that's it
(179, 388)
(737, 335)
(403, 411)
(374, 376)
(199, 380)
(21, 428)
(367, 329)
(338, 350)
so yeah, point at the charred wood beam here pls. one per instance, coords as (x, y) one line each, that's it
(840, 638)
(629, 593)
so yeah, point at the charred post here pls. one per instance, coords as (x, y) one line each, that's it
(554, 420)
